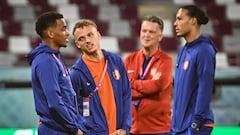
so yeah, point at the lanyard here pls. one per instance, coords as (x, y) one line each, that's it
(61, 65)
(101, 80)
(143, 75)
(66, 74)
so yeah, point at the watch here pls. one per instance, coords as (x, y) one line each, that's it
(194, 126)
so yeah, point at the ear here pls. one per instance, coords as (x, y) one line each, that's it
(194, 20)
(77, 45)
(160, 37)
(99, 34)
(50, 33)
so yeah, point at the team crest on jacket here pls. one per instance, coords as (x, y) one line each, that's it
(155, 75)
(185, 65)
(116, 74)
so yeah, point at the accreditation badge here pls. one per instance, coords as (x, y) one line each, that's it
(116, 74)
(86, 111)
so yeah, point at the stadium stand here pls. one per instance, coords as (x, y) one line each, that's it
(28, 28)
(7, 59)
(108, 12)
(169, 44)
(17, 2)
(110, 44)
(127, 44)
(119, 28)
(128, 11)
(3, 45)
(84, 11)
(11, 27)
(19, 44)
(69, 11)
(1, 30)
(168, 28)
(57, 2)
(99, 2)
(23, 13)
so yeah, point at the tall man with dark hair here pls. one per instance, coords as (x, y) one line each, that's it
(53, 93)
(194, 75)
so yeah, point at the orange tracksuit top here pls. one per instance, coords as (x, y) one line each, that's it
(154, 112)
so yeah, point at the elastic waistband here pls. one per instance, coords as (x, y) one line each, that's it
(209, 125)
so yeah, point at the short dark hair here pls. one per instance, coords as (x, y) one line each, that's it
(46, 20)
(84, 22)
(194, 11)
(155, 19)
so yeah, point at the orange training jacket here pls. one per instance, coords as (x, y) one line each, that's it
(154, 112)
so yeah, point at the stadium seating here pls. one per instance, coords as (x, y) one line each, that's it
(19, 44)
(127, 44)
(1, 30)
(168, 28)
(224, 2)
(222, 61)
(3, 45)
(169, 44)
(18, 17)
(80, 2)
(216, 12)
(88, 11)
(232, 11)
(204, 2)
(217, 40)
(99, 2)
(108, 12)
(57, 2)
(6, 11)
(119, 28)
(110, 44)
(129, 11)
(183, 2)
(11, 27)
(223, 27)
(231, 44)
(23, 13)
(69, 11)
(103, 27)
(208, 29)
(28, 28)
(41, 6)
(17, 2)
(234, 59)
(7, 59)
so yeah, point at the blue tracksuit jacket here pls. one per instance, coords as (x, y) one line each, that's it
(84, 84)
(193, 84)
(53, 95)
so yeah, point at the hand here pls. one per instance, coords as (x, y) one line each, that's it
(119, 132)
(79, 132)
(136, 94)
